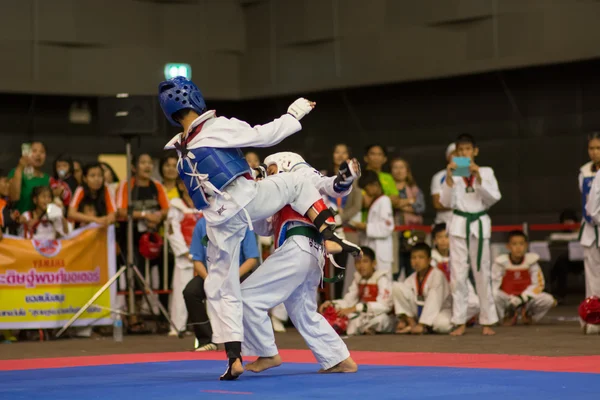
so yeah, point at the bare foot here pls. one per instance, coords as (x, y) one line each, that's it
(345, 367)
(488, 331)
(459, 331)
(370, 331)
(404, 331)
(264, 363)
(233, 372)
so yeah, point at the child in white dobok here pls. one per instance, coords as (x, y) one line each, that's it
(422, 302)
(291, 275)
(519, 283)
(470, 230)
(368, 303)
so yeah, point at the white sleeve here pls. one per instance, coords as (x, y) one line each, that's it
(227, 133)
(436, 296)
(537, 281)
(488, 189)
(446, 195)
(383, 303)
(350, 299)
(436, 184)
(592, 206)
(381, 226)
(174, 235)
(324, 184)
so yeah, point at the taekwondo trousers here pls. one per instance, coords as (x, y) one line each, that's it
(537, 307)
(222, 286)
(406, 303)
(461, 258)
(291, 275)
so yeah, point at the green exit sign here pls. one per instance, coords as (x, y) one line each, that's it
(172, 70)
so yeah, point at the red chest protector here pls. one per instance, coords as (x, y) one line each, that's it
(515, 281)
(445, 268)
(188, 223)
(368, 292)
(282, 219)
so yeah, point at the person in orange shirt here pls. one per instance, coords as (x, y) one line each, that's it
(150, 206)
(92, 194)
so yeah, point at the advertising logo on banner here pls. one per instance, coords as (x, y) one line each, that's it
(43, 283)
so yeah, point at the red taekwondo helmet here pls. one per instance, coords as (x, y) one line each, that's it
(151, 245)
(589, 310)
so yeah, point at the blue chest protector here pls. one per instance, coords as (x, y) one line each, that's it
(585, 192)
(222, 166)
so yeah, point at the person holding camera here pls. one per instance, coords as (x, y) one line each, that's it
(28, 175)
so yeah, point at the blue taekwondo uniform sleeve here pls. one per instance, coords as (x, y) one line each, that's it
(197, 248)
(249, 247)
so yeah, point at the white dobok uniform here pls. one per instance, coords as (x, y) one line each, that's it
(526, 280)
(378, 235)
(291, 275)
(470, 231)
(231, 210)
(427, 301)
(590, 189)
(443, 264)
(373, 299)
(181, 221)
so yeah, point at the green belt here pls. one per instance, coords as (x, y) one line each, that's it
(581, 232)
(305, 231)
(472, 217)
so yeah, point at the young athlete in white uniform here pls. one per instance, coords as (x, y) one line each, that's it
(376, 233)
(291, 275)
(440, 258)
(220, 184)
(422, 302)
(470, 231)
(588, 235)
(518, 283)
(368, 303)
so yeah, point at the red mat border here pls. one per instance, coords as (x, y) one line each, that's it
(582, 364)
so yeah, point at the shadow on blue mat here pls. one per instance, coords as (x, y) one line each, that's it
(195, 380)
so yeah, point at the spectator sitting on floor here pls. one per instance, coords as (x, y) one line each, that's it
(518, 283)
(422, 302)
(368, 303)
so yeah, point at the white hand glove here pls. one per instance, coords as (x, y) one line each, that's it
(516, 301)
(54, 212)
(300, 108)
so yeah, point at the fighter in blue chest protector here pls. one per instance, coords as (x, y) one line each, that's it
(220, 183)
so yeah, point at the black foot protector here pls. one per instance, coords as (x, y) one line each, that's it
(234, 351)
(347, 247)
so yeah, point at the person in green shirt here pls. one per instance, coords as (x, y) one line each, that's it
(375, 158)
(26, 176)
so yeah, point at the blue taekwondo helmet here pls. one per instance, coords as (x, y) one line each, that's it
(177, 94)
